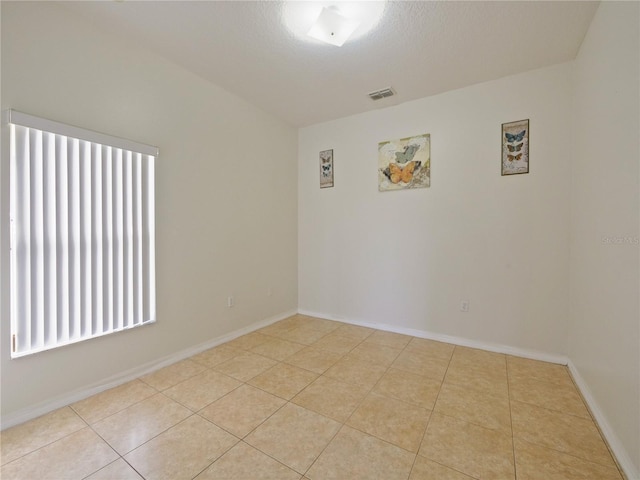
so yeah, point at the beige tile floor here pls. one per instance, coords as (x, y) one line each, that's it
(307, 398)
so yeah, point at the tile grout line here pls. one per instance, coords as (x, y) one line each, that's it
(513, 440)
(588, 460)
(101, 438)
(120, 456)
(204, 418)
(132, 467)
(593, 419)
(372, 389)
(161, 392)
(122, 409)
(343, 424)
(433, 409)
(415, 458)
(243, 439)
(287, 402)
(219, 456)
(52, 441)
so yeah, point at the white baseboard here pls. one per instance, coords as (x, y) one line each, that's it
(37, 410)
(622, 455)
(461, 341)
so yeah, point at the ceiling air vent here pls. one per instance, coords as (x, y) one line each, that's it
(380, 94)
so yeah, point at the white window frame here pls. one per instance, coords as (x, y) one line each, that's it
(82, 234)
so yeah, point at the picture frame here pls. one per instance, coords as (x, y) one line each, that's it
(515, 148)
(404, 163)
(326, 169)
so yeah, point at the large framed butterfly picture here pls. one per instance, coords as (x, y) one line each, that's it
(515, 147)
(326, 168)
(404, 163)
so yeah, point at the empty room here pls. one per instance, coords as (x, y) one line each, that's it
(208, 269)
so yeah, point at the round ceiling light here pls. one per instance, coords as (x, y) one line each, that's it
(311, 21)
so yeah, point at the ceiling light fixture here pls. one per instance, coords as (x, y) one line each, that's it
(301, 18)
(333, 28)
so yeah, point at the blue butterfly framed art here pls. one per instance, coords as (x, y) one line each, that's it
(326, 168)
(515, 147)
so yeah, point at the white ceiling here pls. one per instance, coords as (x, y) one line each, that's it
(418, 48)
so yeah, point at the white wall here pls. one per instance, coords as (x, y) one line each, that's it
(516, 247)
(604, 341)
(226, 187)
(406, 259)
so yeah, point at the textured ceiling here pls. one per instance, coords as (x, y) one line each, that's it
(418, 48)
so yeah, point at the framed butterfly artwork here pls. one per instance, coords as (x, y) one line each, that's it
(326, 168)
(404, 163)
(515, 147)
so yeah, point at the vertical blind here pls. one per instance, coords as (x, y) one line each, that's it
(82, 234)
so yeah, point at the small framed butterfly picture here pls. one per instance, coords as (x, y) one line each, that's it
(326, 168)
(515, 147)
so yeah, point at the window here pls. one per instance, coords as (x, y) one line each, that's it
(82, 234)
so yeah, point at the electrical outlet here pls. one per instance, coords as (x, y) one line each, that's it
(229, 302)
(464, 305)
